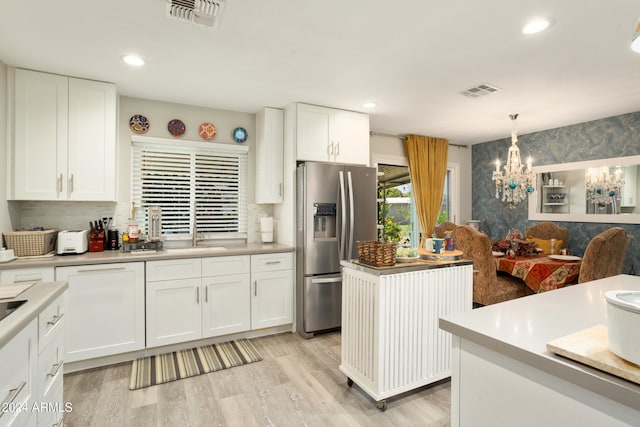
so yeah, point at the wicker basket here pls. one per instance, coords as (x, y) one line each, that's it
(377, 254)
(31, 243)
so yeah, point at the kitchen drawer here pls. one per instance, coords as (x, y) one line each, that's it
(50, 367)
(43, 274)
(52, 407)
(19, 361)
(51, 322)
(188, 268)
(225, 265)
(271, 262)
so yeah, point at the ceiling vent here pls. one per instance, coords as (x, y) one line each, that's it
(202, 12)
(480, 90)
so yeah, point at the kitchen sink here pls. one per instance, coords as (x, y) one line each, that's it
(195, 250)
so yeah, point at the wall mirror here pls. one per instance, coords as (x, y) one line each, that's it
(603, 190)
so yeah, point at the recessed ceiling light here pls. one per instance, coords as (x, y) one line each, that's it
(536, 26)
(134, 60)
(369, 105)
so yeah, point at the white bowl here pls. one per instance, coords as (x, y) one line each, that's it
(623, 320)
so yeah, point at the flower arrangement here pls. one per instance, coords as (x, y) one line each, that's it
(519, 246)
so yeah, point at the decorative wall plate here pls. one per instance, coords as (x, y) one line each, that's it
(207, 131)
(176, 127)
(139, 124)
(240, 135)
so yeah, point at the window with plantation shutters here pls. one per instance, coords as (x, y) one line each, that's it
(194, 183)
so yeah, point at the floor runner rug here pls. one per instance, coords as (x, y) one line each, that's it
(152, 370)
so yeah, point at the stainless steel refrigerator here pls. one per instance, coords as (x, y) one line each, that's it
(336, 207)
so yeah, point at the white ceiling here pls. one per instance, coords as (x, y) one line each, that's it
(411, 57)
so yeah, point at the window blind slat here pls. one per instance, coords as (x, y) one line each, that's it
(175, 178)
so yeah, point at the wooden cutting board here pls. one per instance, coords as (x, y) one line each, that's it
(591, 347)
(12, 291)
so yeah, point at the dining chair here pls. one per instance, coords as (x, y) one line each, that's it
(443, 228)
(489, 287)
(604, 255)
(547, 230)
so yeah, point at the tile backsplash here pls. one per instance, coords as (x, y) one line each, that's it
(76, 215)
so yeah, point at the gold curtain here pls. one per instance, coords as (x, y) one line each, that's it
(427, 159)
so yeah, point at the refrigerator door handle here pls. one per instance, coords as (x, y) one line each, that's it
(343, 218)
(332, 280)
(349, 251)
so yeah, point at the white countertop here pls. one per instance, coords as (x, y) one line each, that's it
(108, 257)
(522, 327)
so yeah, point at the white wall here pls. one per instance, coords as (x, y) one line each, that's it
(5, 222)
(390, 149)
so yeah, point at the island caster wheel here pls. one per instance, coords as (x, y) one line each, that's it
(382, 405)
(349, 382)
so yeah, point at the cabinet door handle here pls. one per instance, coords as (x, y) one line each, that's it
(13, 393)
(54, 369)
(71, 184)
(197, 295)
(59, 184)
(55, 319)
(206, 294)
(272, 262)
(91, 270)
(330, 149)
(255, 288)
(280, 189)
(338, 148)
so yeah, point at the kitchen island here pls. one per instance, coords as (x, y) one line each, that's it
(503, 374)
(390, 338)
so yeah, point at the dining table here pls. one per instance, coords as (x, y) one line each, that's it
(542, 272)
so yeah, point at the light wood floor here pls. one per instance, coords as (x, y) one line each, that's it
(297, 384)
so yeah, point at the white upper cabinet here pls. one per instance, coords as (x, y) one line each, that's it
(269, 155)
(64, 138)
(328, 135)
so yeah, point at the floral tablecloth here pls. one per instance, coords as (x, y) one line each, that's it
(540, 273)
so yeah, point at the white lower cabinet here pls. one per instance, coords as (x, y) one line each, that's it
(214, 300)
(18, 275)
(17, 383)
(105, 309)
(51, 326)
(272, 293)
(173, 311)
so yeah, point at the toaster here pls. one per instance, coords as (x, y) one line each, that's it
(73, 242)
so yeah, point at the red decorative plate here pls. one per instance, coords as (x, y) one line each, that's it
(176, 127)
(207, 131)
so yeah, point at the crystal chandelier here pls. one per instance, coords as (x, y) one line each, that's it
(515, 183)
(602, 187)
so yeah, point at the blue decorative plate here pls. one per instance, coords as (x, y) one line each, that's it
(240, 135)
(139, 124)
(176, 127)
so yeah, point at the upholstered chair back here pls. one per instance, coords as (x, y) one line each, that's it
(604, 255)
(443, 228)
(488, 287)
(546, 231)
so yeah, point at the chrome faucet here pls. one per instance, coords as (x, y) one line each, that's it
(194, 231)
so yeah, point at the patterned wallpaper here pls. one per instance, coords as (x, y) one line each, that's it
(611, 137)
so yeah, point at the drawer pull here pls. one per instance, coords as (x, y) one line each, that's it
(54, 369)
(13, 393)
(272, 262)
(55, 319)
(25, 279)
(91, 270)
